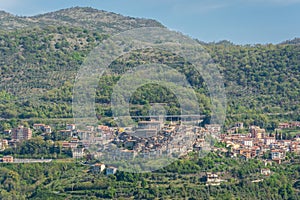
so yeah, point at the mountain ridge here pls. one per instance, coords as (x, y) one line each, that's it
(83, 17)
(66, 17)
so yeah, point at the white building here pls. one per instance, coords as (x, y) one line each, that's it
(269, 140)
(248, 142)
(111, 170)
(78, 153)
(71, 127)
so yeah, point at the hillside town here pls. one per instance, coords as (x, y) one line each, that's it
(157, 138)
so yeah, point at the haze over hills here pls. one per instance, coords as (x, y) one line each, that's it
(40, 56)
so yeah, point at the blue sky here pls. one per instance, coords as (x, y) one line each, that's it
(240, 21)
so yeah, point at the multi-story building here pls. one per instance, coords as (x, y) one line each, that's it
(269, 140)
(277, 154)
(247, 142)
(78, 153)
(21, 133)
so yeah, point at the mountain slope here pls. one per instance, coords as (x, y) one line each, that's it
(42, 60)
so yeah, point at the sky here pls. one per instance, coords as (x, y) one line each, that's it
(239, 21)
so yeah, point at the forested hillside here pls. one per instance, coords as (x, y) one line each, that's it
(40, 56)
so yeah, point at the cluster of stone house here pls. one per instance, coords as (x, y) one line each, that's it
(77, 140)
(154, 138)
(42, 127)
(163, 140)
(100, 167)
(257, 143)
(201, 143)
(22, 133)
(150, 139)
(80, 140)
(19, 134)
